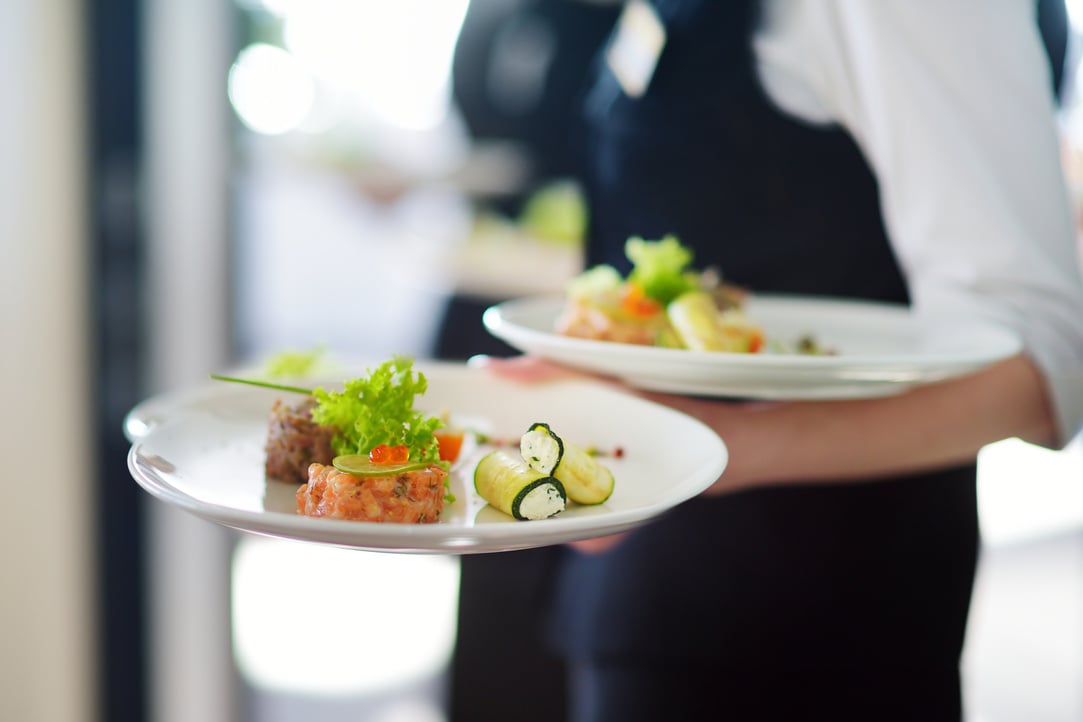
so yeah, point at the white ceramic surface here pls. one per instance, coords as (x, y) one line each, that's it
(880, 349)
(202, 449)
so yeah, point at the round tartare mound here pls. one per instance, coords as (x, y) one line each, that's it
(409, 497)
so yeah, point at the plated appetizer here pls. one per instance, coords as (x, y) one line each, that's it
(365, 453)
(664, 302)
(201, 450)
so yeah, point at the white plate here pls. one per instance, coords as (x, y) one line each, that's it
(881, 349)
(203, 450)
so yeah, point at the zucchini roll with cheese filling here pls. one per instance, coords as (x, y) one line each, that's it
(585, 480)
(511, 486)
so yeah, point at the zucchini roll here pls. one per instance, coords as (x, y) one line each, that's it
(701, 326)
(517, 490)
(585, 480)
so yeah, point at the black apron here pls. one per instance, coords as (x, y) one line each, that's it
(843, 601)
(830, 602)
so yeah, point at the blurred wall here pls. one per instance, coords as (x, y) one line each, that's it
(187, 47)
(46, 553)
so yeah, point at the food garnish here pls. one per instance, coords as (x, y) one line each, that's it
(449, 441)
(263, 384)
(379, 409)
(660, 268)
(360, 465)
(372, 410)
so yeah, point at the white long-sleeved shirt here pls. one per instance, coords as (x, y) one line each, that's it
(951, 103)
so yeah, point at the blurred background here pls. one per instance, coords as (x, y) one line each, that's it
(190, 186)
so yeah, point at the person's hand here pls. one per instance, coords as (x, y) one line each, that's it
(727, 418)
(598, 545)
(714, 413)
(526, 369)
(840, 440)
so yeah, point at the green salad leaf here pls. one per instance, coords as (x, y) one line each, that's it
(660, 267)
(597, 282)
(294, 364)
(379, 409)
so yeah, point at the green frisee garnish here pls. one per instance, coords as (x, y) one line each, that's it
(660, 267)
(372, 410)
(379, 409)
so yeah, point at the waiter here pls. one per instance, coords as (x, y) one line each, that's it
(894, 151)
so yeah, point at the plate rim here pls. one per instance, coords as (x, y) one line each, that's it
(496, 322)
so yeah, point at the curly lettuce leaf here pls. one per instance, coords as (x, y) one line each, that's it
(379, 409)
(660, 267)
(600, 282)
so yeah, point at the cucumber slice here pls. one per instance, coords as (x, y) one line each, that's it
(702, 326)
(360, 465)
(585, 480)
(694, 317)
(517, 490)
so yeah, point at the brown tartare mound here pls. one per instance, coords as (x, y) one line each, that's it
(411, 497)
(294, 441)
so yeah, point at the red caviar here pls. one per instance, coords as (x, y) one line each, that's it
(384, 454)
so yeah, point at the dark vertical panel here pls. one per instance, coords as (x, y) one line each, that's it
(1055, 29)
(115, 144)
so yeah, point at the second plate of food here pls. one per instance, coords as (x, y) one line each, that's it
(875, 349)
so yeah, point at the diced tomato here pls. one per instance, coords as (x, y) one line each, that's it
(755, 343)
(384, 454)
(450, 443)
(636, 303)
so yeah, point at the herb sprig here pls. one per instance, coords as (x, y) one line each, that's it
(372, 410)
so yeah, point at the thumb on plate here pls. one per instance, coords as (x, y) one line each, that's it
(527, 369)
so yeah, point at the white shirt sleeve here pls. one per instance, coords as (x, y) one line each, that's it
(951, 102)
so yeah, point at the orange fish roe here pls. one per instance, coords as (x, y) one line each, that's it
(384, 454)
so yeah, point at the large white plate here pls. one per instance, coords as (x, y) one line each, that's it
(202, 450)
(881, 349)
